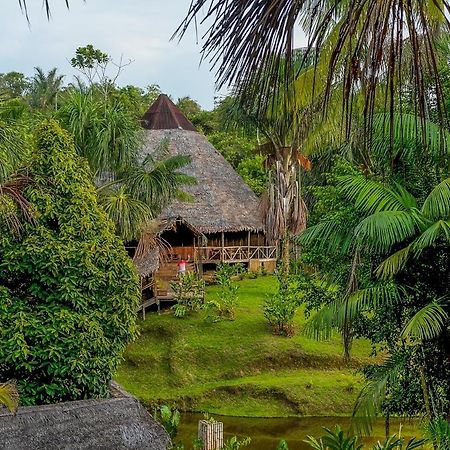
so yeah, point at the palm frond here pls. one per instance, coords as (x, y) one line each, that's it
(380, 231)
(46, 3)
(394, 263)
(373, 48)
(128, 213)
(440, 229)
(437, 204)
(372, 196)
(9, 395)
(374, 297)
(427, 323)
(371, 397)
(438, 432)
(328, 234)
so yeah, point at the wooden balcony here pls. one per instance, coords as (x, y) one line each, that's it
(234, 254)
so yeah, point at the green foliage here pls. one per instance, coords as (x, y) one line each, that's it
(169, 419)
(337, 440)
(189, 107)
(239, 150)
(334, 440)
(235, 444)
(68, 291)
(45, 87)
(9, 396)
(279, 310)
(88, 57)
(252, 170)
(13, 84)
(227, 300)
(282, 445)
(189, 291)
(397, 443)
(438, 432)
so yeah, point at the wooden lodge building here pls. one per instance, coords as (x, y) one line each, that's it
(223, 223)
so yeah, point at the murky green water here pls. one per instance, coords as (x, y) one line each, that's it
(266, 433)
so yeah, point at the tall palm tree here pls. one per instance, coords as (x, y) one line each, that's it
(45, 87)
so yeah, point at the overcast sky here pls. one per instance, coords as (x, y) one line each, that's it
(137, 29)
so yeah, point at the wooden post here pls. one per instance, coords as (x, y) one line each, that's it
(222, 253)
(211, 434)
(249, 240)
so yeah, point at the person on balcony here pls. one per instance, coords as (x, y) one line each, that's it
(182, 263)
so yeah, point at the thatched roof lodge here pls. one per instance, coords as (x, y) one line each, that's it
(110, 424)
(223, 222)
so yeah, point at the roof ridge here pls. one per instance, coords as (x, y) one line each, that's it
(163, 114)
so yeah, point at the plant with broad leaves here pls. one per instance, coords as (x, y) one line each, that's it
(169, 419)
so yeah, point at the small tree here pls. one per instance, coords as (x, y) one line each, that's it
(68, 291)
(189, 293)
(228, 290)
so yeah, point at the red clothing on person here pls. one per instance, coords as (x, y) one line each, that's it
(182, 265)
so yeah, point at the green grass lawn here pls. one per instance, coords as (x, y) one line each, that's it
(238, 367)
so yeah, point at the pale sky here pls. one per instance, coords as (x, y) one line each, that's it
(137, 29)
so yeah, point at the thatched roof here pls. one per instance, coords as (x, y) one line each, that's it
(223, 201)
(164, 115)
(148, 263)
(115, 423)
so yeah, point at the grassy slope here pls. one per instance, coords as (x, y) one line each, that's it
(239, 368)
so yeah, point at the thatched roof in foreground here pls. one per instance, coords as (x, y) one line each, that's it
(110, 424)
(223, 201)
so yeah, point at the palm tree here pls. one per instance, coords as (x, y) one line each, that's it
(403, 229)
(132, 190)
(374, 48)
(45, 88)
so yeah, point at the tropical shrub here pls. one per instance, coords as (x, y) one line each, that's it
(228, 290)
(235, 444)
(68, 291)
(169, 419)
(189, 294)
(336, 439)
(279, 311)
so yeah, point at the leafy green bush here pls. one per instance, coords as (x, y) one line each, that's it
(235, 444)
(228, 290)
(189, 293)
(336, 439)
(279, 311)
(169, 419)
(68, 291)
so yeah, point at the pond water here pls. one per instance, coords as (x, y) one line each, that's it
(267, 433)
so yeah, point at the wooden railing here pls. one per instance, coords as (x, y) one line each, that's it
(238, 253)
